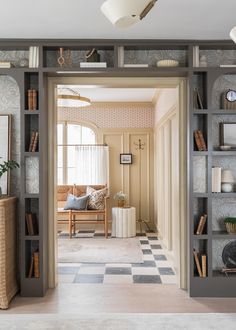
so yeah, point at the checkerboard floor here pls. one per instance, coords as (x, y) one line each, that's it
(156, 267)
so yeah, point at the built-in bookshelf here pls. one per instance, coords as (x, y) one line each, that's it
(209, 67)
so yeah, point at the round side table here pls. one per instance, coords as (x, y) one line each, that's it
(123, 222)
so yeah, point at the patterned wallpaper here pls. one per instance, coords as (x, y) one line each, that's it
(112, 115)
(10, 104)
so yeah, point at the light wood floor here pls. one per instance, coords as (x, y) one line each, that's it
(125, 298)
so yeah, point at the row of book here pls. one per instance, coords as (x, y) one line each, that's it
(201, 224)
(33, 146)
(34, 265)
(32, 99)
(31, 224)
(200, 265)
(33, 57)
(199, 140)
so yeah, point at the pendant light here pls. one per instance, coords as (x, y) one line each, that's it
(74, 99)
(124, 13)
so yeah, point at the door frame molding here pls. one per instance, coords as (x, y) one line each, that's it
(124, 82)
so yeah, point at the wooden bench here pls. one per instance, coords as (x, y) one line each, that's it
(72, 215)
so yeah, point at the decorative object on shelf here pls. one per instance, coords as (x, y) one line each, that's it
(227, 181)
(228, 134)
(203, 61)
(68, 58)
(232, 34)
(216, 179)
(24, 63)
(204, 265)
(61, 58)
(34, 265)
(229, 255)
(93, 64)
(196, 56)
(31, 224)
(93, 56)
(200, 141)
(72, 99)
(230, 224)
(33, 57)
(229, 99)
(197, 262)
(140, 147)
(197, 99)
(123, 13)
(34, 141)
(121, 198)
(201, 224)
(167, 63)
(5, 147)
(5, 65)
(32, 99)
(5, 167)
(126, 159)
(225, 148)
(136, 65)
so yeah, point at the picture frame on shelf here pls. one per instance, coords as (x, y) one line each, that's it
(126, 159)
(228, 134)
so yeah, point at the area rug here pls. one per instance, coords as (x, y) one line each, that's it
(101, 250)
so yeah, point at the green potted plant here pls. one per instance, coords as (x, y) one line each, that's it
(6, 166)
(230, 224)
(121, 198)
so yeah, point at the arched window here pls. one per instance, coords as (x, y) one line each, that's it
(68, 136)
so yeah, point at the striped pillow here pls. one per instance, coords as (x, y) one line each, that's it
(96, 198)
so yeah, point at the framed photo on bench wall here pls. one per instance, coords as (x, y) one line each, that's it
(125, 159)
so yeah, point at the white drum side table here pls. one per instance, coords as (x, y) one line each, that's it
(123, 222)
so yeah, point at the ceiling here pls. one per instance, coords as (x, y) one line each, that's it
(112, 94)
(169, 19)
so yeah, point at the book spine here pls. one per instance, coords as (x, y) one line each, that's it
(36, 264)
(197, 140)
(27, 224)
(198, 232)
(30, 99)
(30, 216)
(30, 57)
(202, 141)
(197, 263)
(203, 224)
(216, 179)
(32, 141)
(204, 266)
(31, 268)
(35, 142)
(34, 99)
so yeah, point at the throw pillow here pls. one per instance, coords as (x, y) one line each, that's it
(76, 203)
(96, 198)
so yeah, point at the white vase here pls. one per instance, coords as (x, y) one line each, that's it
(226, 187)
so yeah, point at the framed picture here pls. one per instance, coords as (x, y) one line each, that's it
(5, 150)
(125, 159)
(228, 134)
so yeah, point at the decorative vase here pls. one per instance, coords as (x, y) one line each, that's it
(121, 202)
(226, 187)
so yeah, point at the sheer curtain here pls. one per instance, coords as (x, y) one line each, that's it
(92, 165)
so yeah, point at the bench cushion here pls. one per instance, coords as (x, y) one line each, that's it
(76, 203)
(96, 199)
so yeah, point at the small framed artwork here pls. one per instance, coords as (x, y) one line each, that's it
(228, 134)
(125, 159)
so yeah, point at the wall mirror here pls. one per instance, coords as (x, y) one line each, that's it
(5, 150)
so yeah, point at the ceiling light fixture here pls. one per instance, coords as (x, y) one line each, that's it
(74, 100)
(233, 34)
(124, 13)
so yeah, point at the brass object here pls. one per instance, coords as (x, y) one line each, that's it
(61, 59)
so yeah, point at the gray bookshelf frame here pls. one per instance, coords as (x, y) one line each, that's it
(205, 287)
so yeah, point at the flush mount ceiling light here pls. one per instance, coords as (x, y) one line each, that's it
(72, 99)
(124, 13)
(233, 34)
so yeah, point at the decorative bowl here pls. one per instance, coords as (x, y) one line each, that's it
(163, 63)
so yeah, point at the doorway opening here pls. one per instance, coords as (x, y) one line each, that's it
(134, 124)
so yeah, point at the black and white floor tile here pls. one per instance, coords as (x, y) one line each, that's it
(156, 267)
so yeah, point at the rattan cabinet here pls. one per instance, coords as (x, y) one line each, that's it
(8, 244)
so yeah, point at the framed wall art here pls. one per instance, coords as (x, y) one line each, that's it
(125, 159)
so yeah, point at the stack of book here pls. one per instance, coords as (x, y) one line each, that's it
(135, 65)
(93, 64)
(32, 99)
(201, 224)
(200, 141)
(34, 265)
(33, 57)
(201, 267)
(34, 141)
(197, 99)
(31, 224)
(5, 65)
(216, 179)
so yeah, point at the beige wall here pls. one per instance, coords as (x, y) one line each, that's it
(121, 125)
